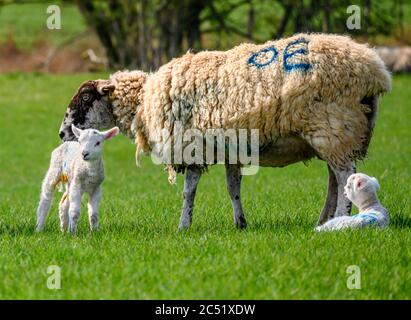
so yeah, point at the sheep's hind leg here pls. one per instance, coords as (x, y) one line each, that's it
(63, 211)
(233, 177)
(92, 206)
(330, 204)
(191, 179)
(343, 204)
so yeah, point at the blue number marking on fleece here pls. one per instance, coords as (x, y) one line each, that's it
(65, 167)
(253, 58)
(287, 55)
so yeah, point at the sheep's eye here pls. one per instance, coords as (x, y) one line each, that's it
(85, 97)
(97, 144)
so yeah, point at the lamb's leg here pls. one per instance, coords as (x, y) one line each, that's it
(75, 195)
(92, 206)
(233, 177)
(46, 196)
(331, 202)
(343, 204)
(63, 211)
(191, 179)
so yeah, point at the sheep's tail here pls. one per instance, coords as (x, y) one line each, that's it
(370, 106)
(377, 81)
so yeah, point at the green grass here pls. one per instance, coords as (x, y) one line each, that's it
(26, 23)
(138, 253)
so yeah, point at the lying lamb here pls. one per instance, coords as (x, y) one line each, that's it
(78, 167)
(362, 191)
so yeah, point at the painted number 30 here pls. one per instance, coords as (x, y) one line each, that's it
(266, 56)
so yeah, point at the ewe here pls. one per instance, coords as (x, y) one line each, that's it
(310, 95)
(78, 166)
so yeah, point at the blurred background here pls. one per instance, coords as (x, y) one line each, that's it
(144, 34)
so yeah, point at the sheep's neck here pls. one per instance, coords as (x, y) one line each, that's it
(127, 101)
(93, 164)
(124, 115)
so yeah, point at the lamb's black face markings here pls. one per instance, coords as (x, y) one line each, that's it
(90, 107)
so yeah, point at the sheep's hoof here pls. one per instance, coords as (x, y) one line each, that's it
(185, 222)
(241, 223)
(183, 227)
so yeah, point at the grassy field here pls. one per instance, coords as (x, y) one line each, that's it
(138, 253)
(25, 23)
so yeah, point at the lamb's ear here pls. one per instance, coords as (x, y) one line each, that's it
(76, 131)
(375, 183)
(111, 133)
(359, 184)
(105, 87)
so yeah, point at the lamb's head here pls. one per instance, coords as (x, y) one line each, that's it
(91, 141)
(90, 107)
(360, 188)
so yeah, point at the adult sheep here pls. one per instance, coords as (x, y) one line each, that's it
(308, 95)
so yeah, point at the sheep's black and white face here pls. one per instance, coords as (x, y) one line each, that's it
(90, 108)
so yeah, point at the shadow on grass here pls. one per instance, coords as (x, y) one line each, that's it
(132, 229)
(401, 222)
(24, 229)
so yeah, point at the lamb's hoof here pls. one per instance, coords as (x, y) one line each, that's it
(241, 223)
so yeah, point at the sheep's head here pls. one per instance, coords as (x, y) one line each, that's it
(91, 141)
(90, 107)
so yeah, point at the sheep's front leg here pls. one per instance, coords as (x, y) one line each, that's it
(92, 206)
(233, 177)
(343, 204)
(191, 179)
(332, 196)
(75, 195)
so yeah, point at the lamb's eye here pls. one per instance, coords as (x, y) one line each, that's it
(97, 144)
(85, 96)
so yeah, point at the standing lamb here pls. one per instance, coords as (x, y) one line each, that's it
(78, 167)
(310, 95)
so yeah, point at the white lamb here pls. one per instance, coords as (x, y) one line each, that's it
(78, 167)
(362, 191)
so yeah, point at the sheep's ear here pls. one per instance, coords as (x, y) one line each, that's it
(76, 131)
(111, 133)
(105, 87)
